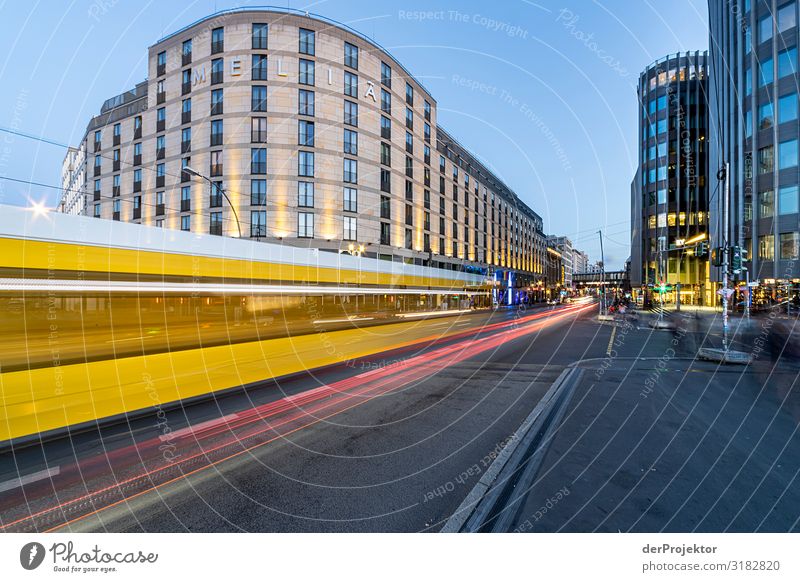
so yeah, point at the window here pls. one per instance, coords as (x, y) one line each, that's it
(409, 215)
(351, 113)
(259, 68)
(186, 198)
(186, 222)
(186, 140)
(306, 102)
(409, 239)
(790, 246)
(386, 207)
(161, 63)
(305, 164)
(386, 238)
(217, 67)
(305, 225)
(427, 132)
(386, 75)
(350, 84)
(217, 40)
(97, 210)
(409, 94)
(215, 223)
(409, 143)
(186, 110)
(258, 223)
(427, 110)
(161, 119)
(766, 77)
(766, 160)
(215, 195)
(350, 172)
(216, 102)
(216, 163)
(137, 180)
(409, 167)
(766, 247)
(787, 17)
(787, 199)
(258, 161)
(305, 194)
(306, 76)
(258, 98)
(186, 52)
(748, 82)
(409, 118)
(787, 62)
(350, 202)
(350, 55)
(748, 124)
(350, 142)
(258, 192)
(765, 29)
(216, 132)
(306, 41)
(766, 204)
(186, 81)
(765, 117)
(258, 130)
(787, 108)
(259, 36)
(386, 180)
(350, 228)
(386, 101)
(386, 154)
(386, 128)
(787, 154)
(305, 133)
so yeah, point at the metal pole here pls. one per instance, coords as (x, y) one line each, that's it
(725, 203)
(602, 275)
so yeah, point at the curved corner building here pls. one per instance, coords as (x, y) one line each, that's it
(754, 96)
(302, 131)
(670, 191)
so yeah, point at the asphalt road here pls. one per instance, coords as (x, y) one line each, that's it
(390, 443)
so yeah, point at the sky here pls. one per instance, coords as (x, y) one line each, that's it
(544, 93)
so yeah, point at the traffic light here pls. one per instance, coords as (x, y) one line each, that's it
(716, 256)
(702, 249)
(736, 259)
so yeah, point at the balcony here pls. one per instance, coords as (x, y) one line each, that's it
(161, 69)
(160, 209)
(186, 205)
(116, 139)
(186, 58)
(115, 165)
(161, 97)
(186, 88)
(186, 147)
(137, 213)
(186, 117)
(137, 159)
(161, 124)
(159, 181)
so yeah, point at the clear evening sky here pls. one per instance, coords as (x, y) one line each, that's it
(543, 92)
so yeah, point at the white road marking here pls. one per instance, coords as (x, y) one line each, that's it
(27, 479)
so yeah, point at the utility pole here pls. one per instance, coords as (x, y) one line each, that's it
(602, 274)
(725, 258)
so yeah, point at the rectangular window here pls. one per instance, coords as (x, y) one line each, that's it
(258, 192)
(216, 132)
(787, 199)
(186, 223)
(765, 117)
(350, 171)
(186, 52)
(215, 195)
(790, 246)
(766, 247)
(748, 124)
(216, 163)
(351, 113)
(766, 75)
(305, 194)
(409, 215)
(409, 143)
(258, 223)
(306, 76)
(186, 140)
(765, 28)
(766, 204)
(305, 164)
(258, 161)
(409, 239)
(215, 223)
(305, 133)
(217, 69)
(350, 142)
(350, 202)
(766, 160)
(350, 55)
(386, 238)
(217, 40)
(787, 17)
(305, 225)
(258, 100)
(216, 102)
(409, 94)
(386, 101)
(350, 228)
(350, 84)
(409, 118)
(787, 62)
(386, 75)
(306, 41)
(427, 110)
(258, 130)
(787, 154)
(259, 36)
(386, 127)
(259, 68)
(306, 102)
(386, 207)
(787, 108)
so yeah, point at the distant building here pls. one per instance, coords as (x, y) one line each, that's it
(564, 246)
(580, 261)
(596, 267)
(73, 182)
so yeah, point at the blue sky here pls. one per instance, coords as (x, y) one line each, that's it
(543, 92)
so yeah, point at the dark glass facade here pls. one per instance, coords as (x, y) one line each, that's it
(670, 195)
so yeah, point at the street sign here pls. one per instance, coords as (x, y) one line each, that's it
(726, 292)
(753, 284)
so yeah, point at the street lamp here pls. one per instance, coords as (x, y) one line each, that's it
(192, 172)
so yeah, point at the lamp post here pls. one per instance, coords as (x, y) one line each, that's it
(192, 172)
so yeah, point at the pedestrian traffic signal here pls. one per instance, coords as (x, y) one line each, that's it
(702, 249)
(736, 259)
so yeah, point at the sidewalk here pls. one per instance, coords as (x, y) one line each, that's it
(654, 440)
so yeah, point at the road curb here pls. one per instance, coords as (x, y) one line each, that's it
(494, 483)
